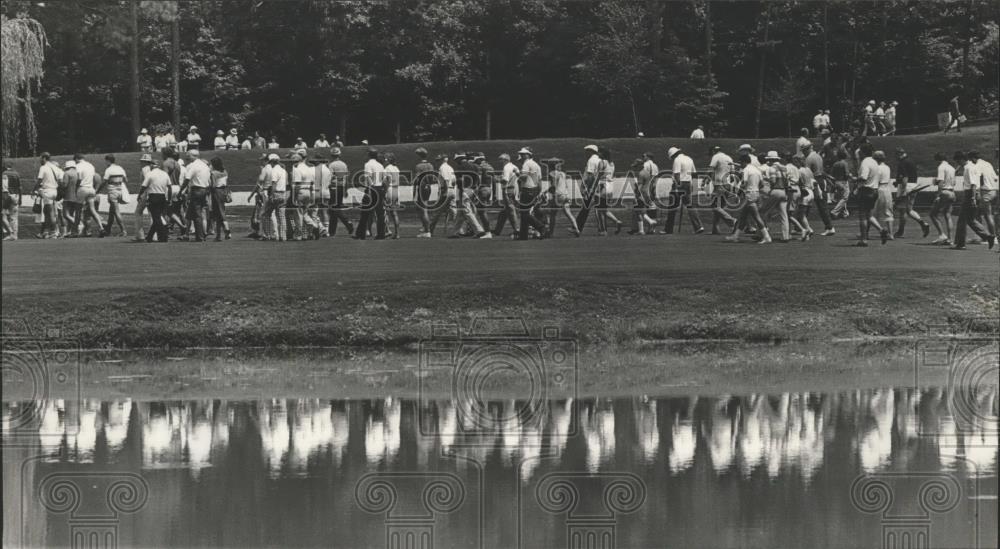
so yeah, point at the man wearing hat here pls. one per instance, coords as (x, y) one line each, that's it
(232, 140)
(197, 178)
(750, 214)
(193, 140)
(155, 193)
(424, 178)
(484, 195)
(300, 143)
(71, 204)
(591, 175)
(906, 173)
(220, 141)
(338, 193)
(144, 141)
(374, 201)
(508, 206)
(528, 193)
(747, 150)
(776, 176)
(146, 161)
(276, 187)
(303, 198)
(446, 194)
(684, 172)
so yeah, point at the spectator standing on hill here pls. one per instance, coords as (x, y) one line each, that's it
(219, 143)
(193, 139)
(258, 141)
(818, 122)
(144, 141)
(941, 208)
(827, 124)
(956, 115)
(880, 118)
(169, 139)
(906, 173)
(159, 140)
(869, 113)
(802, 141)
(232, 140)
(247, 144)
(698, 133)
(890, 118)
(300, 143)
(321, 143)
(273, 143)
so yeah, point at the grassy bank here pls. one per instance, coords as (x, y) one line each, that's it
(243, 165)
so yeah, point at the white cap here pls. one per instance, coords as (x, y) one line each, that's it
(773, 155)
(591, 148)
(271, 157)
(194, 152)
(746, 147)
(640, 134)
(69, 164)
(144, 131)
(525, 150)
(672, 151)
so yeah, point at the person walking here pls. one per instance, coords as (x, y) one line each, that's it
(646, 175)
(303, 198)
(12, 199)
(86, 193)
(956, 116)
(155, 193)
(276, 185)
(484, 196)
(606, 189)
(723, 193)
(146, 163)
(987, 191)
(219, 184)
(197, 178)
(972, 179)
(447, 195)
(374, 201)
(943, 201)
(528, 192)
(509, 174)
(591, 174)
(175, 203)
(320, 210)
(558, 196)
(683, 170)
(425, 177)
(258, 225)
(116, 180)
(71, 203)
(822, 186)
(338, 193)
(840, 172)
(776, 200)
(750, 212)
(906, 173)
(869, 179)
(47, 192)
(890, 118)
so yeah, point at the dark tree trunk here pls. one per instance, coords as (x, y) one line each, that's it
(134, 70)
(175, 70)
(761, 73)
(826, 61)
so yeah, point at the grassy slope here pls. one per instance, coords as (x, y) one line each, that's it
(243, 166)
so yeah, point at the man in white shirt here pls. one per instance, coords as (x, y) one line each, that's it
(197, 178)
(193, 140)
(159, 141)
(303, 198)
(941, 208)
(646, 173)
(680, 193)
(508, 182)
(750, 213)
(338, 192)
(247, 144)
(869, 113)
(144, 141)
(47, 190)
(826, 120)
(155, 191)
(116, 180)
(869, 179)
(374, 201)
(169, 139)
(273, 143)
(880, 118)
(528, 192)
(698, 133)
(220, 141)
(321, 143)
(723, 193)
(300, 143)
(86, 192)
(232, 140)
(803, 140)
(818, 122)
(276, 186)
(987, 190)
(890, 118)
(447, 194)
(591, 176)
(972, 179)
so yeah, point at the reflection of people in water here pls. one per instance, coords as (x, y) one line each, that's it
(683, 441)
(116, 424)
(875, 436)
(561, 414)
(648, 430)
(598, 425)
(721, 436)
(274, 434)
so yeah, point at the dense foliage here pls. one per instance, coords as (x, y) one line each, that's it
(468, 69)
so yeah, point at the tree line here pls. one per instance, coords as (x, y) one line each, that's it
(423, 70)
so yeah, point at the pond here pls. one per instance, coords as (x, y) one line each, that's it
(859, 468)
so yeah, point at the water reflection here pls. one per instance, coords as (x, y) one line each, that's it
(791, 439)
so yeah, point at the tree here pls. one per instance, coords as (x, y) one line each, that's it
(24, 43)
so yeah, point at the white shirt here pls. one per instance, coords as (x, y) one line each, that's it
(273, 145)
(826, 119)
(375, 173)
(751, 178)
(198, 173)
(278, 178)
(324, 176)
(193, 139)
(159, 142)
(869, 172)
(392, 175)
(247, 144)
(945, 176)
(232, 141)
(989, 175)
(721, 165)
(220, 143)
(884, 174)
(510, 173)
(144, 140)
(972, 176)
(447, 174)
(321, 144)
(115, 175)
(532, 172)
(800, 142)
(683, 168)
(49, 175)
(818, 121)
(303, 174)
(697, 134)
(156, 182)
(594, 164)
(86, 171)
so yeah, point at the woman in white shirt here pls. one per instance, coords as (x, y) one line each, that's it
(559, 198)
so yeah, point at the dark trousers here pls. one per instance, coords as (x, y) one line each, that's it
(967, 218)
(524, 204)
(589, 200)
(157, 206)
(373, 205)
(680, 196)
(822, 208)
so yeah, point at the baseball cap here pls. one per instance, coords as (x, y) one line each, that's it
(335, 151)
(591, 148)
(746, 147)
(420, 150)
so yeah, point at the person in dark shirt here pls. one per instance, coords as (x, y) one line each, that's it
(906, 173)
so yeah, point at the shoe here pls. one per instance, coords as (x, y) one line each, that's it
(897, 235)
(699, 230)
(959, 248)
(394, 237)
(423, 235)
(926, 229)
(715, 231)
(766, 239)
(992, 241)
(218, 238)
(732, 238)
(618, 229)
(633, 233)
(807, 235)
(885, 236)
(828, 232)
(602, 233)
(9, 238)
(485, 236)
(229, 235)
(862, 244)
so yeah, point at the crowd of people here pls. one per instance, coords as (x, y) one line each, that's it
(305, 195)
(163, 137)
